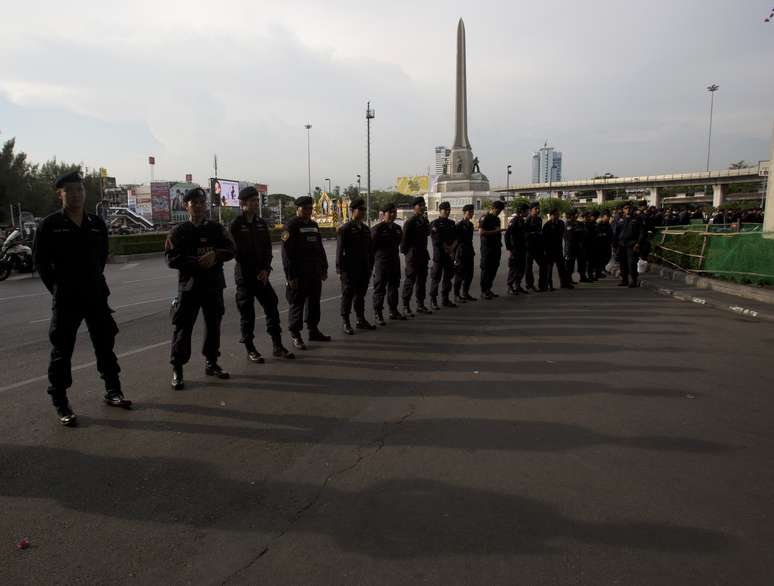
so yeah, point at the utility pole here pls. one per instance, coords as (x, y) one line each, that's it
(369, 117)
(308, 161)
(711, 89)
(508, 180)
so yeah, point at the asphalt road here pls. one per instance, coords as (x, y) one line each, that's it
(595, 436)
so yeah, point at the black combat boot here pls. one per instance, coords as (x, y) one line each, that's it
(434, 304)
(298, 341)
(64, 412)
(279, 350)
(422, 309)
(363, 324)
(407, 310)
(347, 326)
(177, 378)
(252, 354)
(468, 297)
(212, 368)
(448, 303)
(316, 335)
(380, 317)
(115, 398)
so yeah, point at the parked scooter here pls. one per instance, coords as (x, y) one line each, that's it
(15, 255)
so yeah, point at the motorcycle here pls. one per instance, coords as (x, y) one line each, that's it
(15, 255)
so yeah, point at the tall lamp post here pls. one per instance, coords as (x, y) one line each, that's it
(308, 161)
(328, 179)
(369, 116)
(358, 185)
(711, 89)
(508, 180)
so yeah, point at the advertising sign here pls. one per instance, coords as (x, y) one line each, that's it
(142, 196)
(413, 185)
(225, 192)
(160, 203)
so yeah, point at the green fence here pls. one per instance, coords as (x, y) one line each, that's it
(744, 257)
(154, 241)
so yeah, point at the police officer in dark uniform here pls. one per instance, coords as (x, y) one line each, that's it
(306, 267)
(574, 233)
(197, 249)
(252, 238)
(533, 226)
(553, 240)
(70, 251)
(385, 251)
(632, 237)
(353, 265)
(590, 224)
(491, 247)
(414, 247)
(603, 244)
(516, 244)
(465, 255)
(443, 233)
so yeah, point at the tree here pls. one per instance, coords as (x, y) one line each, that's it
(514, 204)
(740, 165)
(607, 175)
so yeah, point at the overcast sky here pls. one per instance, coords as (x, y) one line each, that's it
(615, 85)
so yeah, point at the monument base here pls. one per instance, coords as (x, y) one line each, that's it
(457, 199)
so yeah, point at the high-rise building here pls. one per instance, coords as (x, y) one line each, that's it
(546, 165)
(441, 158)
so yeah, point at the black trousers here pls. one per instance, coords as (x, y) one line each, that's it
(588, 268)
(602, 256)
(416, 274)
(463, 274)
(627, 259)
(517, 261)
(66, 318)
(572, 258)
(550, 260)
(386, 281)
(184, 315)
(534, 257)
(490, 262)
(441, 275)
(354, 286)
(304, 302)
(246, 294)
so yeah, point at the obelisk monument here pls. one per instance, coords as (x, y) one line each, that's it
(462, 182)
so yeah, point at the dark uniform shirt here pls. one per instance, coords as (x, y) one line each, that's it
(604, 234)
(415, 233)
(353, 248)
(516, 235)
(187, 242)
(253, 247)
(302, 249)
(443, 233)
(490, 222)
(631, 231)
(553, 236)
(70, 258)
(534, 230)
(465, 230)
(386, 237)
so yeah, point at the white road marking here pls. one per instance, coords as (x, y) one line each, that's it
(128, 266)
(23, 296)
(38, 379)
(38, 321)
(170, 276)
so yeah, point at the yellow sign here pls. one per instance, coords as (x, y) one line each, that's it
(413, 185)
(102, 172)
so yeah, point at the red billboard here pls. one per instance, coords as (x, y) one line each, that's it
(160, 204)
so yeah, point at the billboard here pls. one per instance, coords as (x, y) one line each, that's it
(416, 185)
(225, 192)
(142, 197)
(160, 201)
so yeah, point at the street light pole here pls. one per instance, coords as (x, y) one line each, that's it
(358, 185)
(508, 180)
(328, 179)
(711, 89)
(308, 161)
(369, 116)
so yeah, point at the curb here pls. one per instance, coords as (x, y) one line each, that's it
(706, 301)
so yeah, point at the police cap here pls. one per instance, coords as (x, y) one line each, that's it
(195, 193)
(69, 177)
(523, 207)
(304, 200)
(595, 213)
(534, 204)
(445, 205)
(418, 201)
(498, 204)
(357, 204)
(554, 212)
(388, 207)
(468, 208)
(572, 212)
(248, 192)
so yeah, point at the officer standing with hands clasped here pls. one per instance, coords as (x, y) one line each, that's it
(251, 274)
(491, 247)
(306, 267)
(443, 233)
(385, 250)
(414, 246)
(353, 265)
(70, 251)
(465, 256)
(516, 244)
(533, 226)
(197, 249)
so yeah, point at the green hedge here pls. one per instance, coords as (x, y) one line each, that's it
(154, 241)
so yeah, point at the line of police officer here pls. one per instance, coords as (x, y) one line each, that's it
(71, 249)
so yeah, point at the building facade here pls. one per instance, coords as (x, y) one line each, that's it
(546, 165)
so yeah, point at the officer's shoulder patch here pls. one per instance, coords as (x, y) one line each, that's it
(285, 235)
